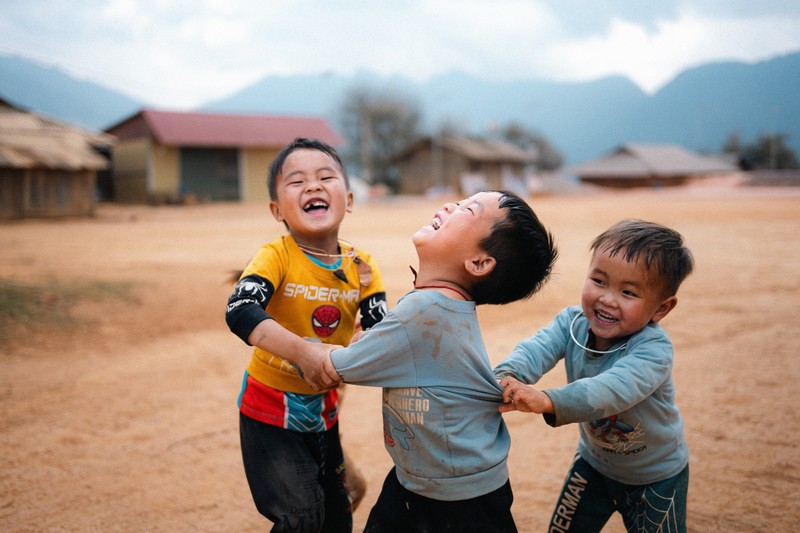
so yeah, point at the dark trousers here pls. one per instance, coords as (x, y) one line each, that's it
(296, 479)
(588, 499)
(402, 511)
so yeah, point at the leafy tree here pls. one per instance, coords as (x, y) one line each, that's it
(377, 124)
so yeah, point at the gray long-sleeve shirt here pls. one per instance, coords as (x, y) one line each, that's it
(440, 397)
(630, 427)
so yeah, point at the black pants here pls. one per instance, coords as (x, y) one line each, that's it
(296, 479)
(400, 510)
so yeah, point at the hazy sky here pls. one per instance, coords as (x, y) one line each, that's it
(182, 53)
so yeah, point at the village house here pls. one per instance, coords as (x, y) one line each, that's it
(47, 168)
(167, 156)
(650, 165)
(460, 165)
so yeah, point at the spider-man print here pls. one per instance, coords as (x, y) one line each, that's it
(325, 319)
(615, 435)
(608, 427)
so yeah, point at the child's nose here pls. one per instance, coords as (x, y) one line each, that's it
(607, 299)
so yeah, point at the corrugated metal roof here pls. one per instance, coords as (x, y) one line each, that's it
(637, 160)
(28, 140)
(176, 128)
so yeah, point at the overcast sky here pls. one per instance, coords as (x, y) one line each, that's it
(179, 54)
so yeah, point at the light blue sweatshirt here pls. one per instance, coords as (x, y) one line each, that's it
(630, 428)
(440, 397)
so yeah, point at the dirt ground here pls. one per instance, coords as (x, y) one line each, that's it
(126, 420)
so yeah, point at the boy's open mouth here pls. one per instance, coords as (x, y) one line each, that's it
(608, 319)
(315, 206)
(436, 223)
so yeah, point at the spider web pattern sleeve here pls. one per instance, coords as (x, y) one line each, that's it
(247, 305)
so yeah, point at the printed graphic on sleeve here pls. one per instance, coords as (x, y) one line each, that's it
(376, 309)
(253, 287)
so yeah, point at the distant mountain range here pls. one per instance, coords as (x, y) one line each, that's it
(53, 92)
(699, 109)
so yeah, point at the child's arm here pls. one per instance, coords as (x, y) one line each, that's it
(313, 358)
(380, 358)
(537, 355)
(246, 317)
(520, 397)
(628, 381)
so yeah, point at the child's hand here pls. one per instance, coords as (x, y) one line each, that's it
(316, 366)
(518, 396)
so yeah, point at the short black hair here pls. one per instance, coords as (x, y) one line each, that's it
(524, 252)
(301, 142)
(661, 250)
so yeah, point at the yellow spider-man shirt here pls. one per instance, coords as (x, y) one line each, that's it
(312, 300)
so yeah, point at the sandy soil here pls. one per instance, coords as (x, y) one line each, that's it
(127, 420)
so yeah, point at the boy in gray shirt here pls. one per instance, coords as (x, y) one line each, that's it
(441, 422)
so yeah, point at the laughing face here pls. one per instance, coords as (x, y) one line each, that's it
(457, 229)
(312, 197)
(619, 299)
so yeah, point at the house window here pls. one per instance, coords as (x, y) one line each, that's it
(210, 173)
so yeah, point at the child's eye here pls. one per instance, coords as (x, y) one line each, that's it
(630, 293)
(598, 281)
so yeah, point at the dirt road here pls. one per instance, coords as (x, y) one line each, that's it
(125, 419)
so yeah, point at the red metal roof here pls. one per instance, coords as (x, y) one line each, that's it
(228, 130)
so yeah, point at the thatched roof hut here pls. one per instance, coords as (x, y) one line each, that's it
(47, 168)
(650, 165)
(460, 164)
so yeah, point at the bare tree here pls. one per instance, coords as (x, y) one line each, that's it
(548, 157)
(377, 124)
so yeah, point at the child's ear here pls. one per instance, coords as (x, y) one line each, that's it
(349, 204)
(664, 308)
(480, 266)
(275, 209)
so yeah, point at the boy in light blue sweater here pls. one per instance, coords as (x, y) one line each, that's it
(441, 423)
(632, 455)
